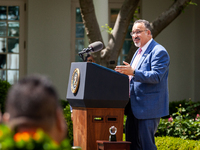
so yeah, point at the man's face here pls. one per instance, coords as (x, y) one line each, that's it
(141, 35)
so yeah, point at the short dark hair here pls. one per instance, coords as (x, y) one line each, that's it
(145, 22)
(33, 99)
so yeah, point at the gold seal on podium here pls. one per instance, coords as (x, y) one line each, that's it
(75, 80)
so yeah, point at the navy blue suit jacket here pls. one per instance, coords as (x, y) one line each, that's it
(149, 87)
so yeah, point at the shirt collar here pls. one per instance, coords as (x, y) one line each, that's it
(145, 46)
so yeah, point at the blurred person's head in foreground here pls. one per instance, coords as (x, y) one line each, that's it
(33, 103)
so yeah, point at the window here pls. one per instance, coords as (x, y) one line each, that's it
(79, 39)
(11, 47)
(80, 32)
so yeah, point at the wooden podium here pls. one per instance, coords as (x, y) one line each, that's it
(98, 96)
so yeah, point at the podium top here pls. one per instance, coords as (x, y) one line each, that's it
(97, 86)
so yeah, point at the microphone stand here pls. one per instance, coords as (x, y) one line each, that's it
(82, 56)
(88, 55)
(85, 51)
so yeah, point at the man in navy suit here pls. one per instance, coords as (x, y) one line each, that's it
(148, 74)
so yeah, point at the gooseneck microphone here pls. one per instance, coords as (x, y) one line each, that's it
(93, 47)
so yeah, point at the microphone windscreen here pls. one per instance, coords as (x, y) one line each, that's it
(96, 46)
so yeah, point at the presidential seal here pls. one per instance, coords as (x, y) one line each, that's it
(75, 80)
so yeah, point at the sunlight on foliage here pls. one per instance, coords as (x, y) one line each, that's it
(107, 29)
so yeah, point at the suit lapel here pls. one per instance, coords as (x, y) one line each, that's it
(148, 50)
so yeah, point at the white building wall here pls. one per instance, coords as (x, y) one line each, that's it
(196, 35)
(49, 41)
(178, 39)
(101, 10)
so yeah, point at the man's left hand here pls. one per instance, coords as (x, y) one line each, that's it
(125, 69)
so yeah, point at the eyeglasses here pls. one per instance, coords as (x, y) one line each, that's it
(89, 60)
(137, 32)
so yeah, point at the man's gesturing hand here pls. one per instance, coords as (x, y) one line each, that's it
(125, 69)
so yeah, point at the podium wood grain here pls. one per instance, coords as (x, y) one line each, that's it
(92, 124)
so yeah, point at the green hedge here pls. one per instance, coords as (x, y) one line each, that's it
(67, 114)
(191, 107)
(184, 123)
(172, 143)
(4, 86)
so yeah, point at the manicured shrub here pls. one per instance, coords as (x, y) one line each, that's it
(179, 125)
(67, 115)
(4, 86)
(165, 143)
(64, 103)
(173, 105)
(192, 108)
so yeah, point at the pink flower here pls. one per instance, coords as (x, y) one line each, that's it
(170, 119)
(198, 116)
